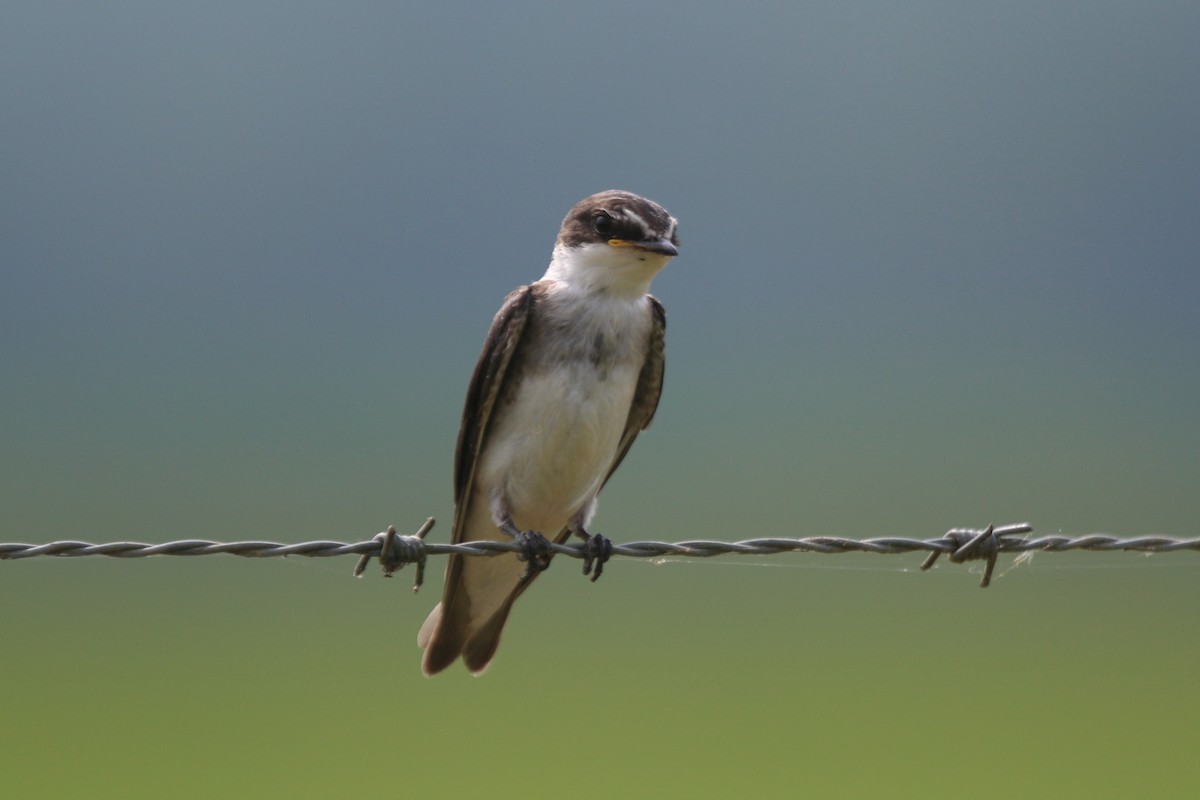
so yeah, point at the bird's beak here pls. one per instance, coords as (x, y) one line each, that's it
(662, 247)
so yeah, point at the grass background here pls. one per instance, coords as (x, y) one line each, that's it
(938, 270)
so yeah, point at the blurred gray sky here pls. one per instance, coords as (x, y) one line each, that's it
(934, 253)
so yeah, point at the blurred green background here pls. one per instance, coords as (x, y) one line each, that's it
(939, 269)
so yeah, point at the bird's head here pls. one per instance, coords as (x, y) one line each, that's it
(614, 241)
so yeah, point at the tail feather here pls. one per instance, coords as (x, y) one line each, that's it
(476, 600)
(428, 626)
(443, 638)
(446, 638)
(481, 647)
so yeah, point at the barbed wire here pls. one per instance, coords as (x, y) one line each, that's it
(395, 551)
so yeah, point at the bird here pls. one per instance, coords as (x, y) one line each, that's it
(570, 373)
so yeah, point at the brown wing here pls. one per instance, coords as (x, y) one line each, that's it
(649, 387)
(485, 387)
(451, 626)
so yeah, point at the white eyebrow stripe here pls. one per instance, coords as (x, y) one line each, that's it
(629, 212)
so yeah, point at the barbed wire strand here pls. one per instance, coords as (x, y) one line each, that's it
(395, 550)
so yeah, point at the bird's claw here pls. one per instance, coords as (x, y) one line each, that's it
(535, 552)
(597, 550)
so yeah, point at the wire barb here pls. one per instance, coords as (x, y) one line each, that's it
(974, 545)
(395, 551)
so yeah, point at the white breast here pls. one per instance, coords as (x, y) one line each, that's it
(551, 448)
(555, 446)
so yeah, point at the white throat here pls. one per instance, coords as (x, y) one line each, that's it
(603, 268)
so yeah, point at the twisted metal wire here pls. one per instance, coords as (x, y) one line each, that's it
(394, 550)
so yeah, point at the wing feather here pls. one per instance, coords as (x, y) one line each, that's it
(485, 387)
(448, 629)
(649, 386)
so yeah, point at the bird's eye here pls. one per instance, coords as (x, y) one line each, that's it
(603, 224)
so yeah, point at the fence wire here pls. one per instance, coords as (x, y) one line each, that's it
(395, 551)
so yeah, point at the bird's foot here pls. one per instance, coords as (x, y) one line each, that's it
(535, 552)
(597, 550)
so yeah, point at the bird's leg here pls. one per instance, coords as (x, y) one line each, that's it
(597, 550)
(535, 548)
